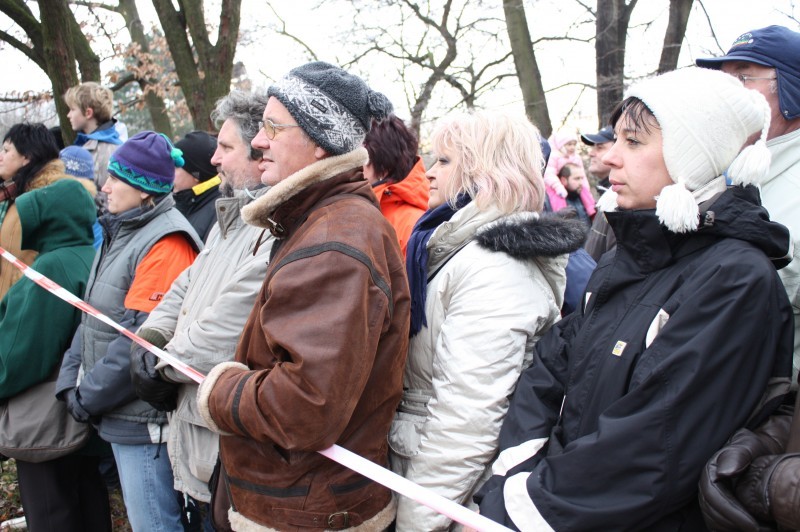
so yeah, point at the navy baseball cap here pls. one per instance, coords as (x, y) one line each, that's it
(601, 137)
(776, 47)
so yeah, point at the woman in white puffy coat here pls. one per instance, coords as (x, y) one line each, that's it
(487, 280)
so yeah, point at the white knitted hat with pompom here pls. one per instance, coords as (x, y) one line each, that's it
(705, 117)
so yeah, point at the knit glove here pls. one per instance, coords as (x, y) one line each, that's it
(72, 397)
(148, 383)
(770, 489)
(721, 508)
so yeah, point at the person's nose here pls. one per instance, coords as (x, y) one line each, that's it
(260, 141)
(611, 157)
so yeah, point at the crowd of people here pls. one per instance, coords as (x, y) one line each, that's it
(487, 328)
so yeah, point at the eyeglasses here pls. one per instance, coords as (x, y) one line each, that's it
(271, 128)
(745, 78)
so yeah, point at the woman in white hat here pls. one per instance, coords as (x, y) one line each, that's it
(680, 332)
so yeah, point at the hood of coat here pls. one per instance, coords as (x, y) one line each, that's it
(259, 212)
(414, 190)
(736, 213)
(531, 235)
(56, 216)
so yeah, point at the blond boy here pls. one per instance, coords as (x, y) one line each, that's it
(90, 108)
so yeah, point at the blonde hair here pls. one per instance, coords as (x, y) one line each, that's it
(91, 95)
(497, 160)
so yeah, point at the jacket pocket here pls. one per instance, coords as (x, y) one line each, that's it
(406, 433)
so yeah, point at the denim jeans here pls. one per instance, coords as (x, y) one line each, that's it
(146, 478)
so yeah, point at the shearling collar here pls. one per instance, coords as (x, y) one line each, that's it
(526, 235)
(259, 212)
(49, 174)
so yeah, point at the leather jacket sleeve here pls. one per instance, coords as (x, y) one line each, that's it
(327, 344)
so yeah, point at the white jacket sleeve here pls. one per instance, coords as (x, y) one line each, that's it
(494, 309)
(211, 338)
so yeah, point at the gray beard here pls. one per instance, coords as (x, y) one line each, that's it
(226, 190)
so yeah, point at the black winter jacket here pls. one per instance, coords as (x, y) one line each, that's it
(628, 398)
(200, 209)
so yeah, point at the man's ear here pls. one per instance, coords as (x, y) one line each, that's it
(320, 153)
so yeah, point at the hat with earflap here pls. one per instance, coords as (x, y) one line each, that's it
(147, 162)
(705, 117)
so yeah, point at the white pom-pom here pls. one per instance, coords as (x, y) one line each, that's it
(751, 166)
(607, 202)
(676, 209)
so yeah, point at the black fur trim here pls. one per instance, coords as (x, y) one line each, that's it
(526, 236)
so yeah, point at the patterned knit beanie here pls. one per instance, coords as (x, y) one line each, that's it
(333, 107)
(147, 162)
(705, 118)
(78, 161)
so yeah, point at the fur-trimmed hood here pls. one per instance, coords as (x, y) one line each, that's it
(528, 235)
(258, 213)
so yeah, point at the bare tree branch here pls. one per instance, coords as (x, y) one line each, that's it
(295, 38)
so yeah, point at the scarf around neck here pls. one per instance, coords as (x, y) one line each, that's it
(417, 256)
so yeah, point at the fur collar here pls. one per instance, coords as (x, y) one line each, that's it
(527, 235)
(49, 174)
(259, 212)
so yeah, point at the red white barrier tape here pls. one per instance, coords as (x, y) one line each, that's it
(336, 453)
(75, 301)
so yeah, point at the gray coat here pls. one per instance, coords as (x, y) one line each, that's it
(202, 317)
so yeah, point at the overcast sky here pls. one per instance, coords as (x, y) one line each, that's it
(267, 56)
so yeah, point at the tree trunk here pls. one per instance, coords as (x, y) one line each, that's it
(530, 80)
(205, 81)
(59, 56)
(155, 104)
(679, 11)
(612, 21)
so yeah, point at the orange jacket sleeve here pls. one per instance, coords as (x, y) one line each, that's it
(155, 273)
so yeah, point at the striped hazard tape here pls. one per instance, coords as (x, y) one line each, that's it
(336, 453)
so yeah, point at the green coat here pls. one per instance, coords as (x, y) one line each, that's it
(36, 327)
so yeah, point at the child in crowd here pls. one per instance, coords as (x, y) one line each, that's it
(563, 146)
(90, 108)
(78, 162)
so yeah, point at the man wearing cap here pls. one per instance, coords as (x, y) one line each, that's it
(321, 358)
(599, 143)
(601, 237)
(197, 184)
(201, 318)
(765, 60)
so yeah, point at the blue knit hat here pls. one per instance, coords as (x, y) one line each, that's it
(147, 162)
(78, 162)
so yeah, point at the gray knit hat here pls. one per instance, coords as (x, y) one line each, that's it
(333, 107)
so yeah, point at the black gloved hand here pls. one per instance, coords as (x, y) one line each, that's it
(722, 510)
(148, 383)
(770, 489)
(72, 397)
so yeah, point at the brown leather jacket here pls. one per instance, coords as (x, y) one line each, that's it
(325, 346)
